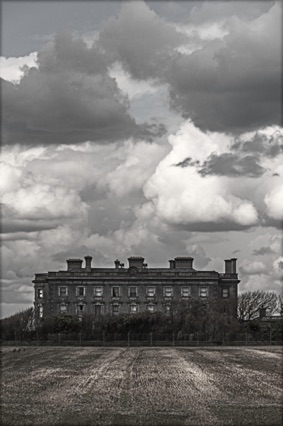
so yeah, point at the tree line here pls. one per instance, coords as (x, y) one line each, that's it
(185, 318)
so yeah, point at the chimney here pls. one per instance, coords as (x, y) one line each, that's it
(74, 264)
(234, 265)
(172, 264)
(137, 261)
(228, 266)
(184, 262)
(117, 263)
(88, 260)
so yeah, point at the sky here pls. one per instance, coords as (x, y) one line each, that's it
(140, 128)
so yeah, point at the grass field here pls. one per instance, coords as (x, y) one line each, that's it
(142, 386)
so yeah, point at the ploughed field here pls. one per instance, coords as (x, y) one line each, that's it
(141, 386)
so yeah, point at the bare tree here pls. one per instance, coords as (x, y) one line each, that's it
(250, 304)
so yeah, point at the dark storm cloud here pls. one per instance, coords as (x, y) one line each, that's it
(229, 164)
(140, 40)
(262, 251)
(188, 162)
(225, 87)
(224, 226)
(261, 144)
(231, 84)
(15, 226)
(10, 224)
(70, 98)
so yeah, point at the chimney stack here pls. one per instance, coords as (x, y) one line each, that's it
(228, 266)
(185, 262)
(88, 260)
(234, 265)
(74, 264)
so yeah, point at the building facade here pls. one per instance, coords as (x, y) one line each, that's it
(132, 289)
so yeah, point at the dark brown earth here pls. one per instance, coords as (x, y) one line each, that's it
(142, 386)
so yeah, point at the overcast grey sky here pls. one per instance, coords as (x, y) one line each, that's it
(146, 128)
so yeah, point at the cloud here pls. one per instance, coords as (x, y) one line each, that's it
(274, 203)
(232, 84)
(181, 196)
(263, 251)
(230, 164)
(13, 69)
(253, 268)
(140, 40)
(69, 98)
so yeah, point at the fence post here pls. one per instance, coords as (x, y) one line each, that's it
(246, 338)
(59, 338)
(128, 338)
(80, 338)
(151, 338)
(173, 339)
(103, 336)
(270, 339)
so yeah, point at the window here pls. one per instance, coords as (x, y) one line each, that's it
(115, 291)
(80, 291)
(168, 291)
(63, 291)
(225, 292)
(150, 291)
(186, 291)
(115, 309)
(40, 311)
(151, 308)
(133, 309)
(133, 292)
(97, 310)
(80, 309)
(203, 291)
(40, 293)
(98, 291)
(63, 309)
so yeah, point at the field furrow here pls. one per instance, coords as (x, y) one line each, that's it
(142, 386)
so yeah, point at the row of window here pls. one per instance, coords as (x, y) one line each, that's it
(99, 309)
(133, 291)
(115, 309)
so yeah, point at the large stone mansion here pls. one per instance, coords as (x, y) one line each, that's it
(132, 289)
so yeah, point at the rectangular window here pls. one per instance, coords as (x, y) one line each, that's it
(133, 292)
(186, 291)
(97, 310)
(115, 291)
(80, 309)
(40, 311)
(80, 291)
(168, 291)
(150, 291)
(225, 292)
(98, 291)
(133, 309)
(203, 292)
(115, 309)
(40, 293)
(151, 308)
(63, 309)
(63, 291)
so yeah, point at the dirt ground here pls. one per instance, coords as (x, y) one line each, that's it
(141, 386)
